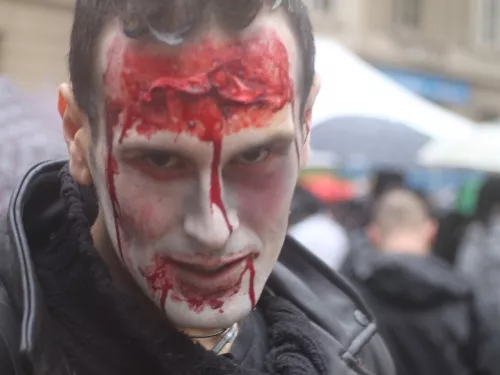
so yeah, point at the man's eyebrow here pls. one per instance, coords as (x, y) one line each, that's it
(141, 147)
(274, 141)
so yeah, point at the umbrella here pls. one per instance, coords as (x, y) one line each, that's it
(352, 87)
(372, 141)
(478, 151)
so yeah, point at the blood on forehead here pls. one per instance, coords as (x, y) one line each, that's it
(209, 89)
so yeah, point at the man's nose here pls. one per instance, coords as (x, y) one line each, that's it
(210, 223)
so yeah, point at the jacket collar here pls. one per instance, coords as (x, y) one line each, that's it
(27, 298)
(298, 277)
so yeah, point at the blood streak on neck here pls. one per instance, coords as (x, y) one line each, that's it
(207, 90)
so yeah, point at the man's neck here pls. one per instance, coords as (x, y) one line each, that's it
(210, 342)
(405, 245)
(123, 281)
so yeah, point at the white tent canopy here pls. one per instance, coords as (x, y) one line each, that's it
(351, 87)
(478, 151)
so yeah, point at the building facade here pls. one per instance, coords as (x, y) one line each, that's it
(445, 50)
(34, 40)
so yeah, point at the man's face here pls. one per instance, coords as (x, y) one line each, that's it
(196, 166)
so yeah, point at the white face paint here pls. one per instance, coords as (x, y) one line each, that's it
(198, 166)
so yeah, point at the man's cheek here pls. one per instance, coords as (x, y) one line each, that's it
(143, 217)
(140, 220)
(268, 203)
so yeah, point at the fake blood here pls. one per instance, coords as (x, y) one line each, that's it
(208, 90)
(159, 280)
(215, 189)
(111, 170)
(251, 289)
(162, 280)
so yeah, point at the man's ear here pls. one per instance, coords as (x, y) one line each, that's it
(307, 121)
(431, 230)
(76, 135)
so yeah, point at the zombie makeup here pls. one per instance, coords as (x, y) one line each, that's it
(197, 170)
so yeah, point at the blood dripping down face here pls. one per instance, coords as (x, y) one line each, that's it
(197, 167)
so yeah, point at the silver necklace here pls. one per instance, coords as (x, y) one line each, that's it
(227, 338)
(218, 333)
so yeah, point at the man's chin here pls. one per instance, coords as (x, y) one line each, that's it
(184, 315)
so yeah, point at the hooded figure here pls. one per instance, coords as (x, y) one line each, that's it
(479, 254)
(425, 311)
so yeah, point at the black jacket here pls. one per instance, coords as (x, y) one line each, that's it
(424, 311)
(350, 334)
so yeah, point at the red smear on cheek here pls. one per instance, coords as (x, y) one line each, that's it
(159, 281)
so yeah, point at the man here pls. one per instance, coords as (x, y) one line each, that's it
(151, 251)
(402, 223)
(424, 310)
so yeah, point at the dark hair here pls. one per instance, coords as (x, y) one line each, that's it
(175, 19)
(387, 180)
(488, 201)
(304, 204)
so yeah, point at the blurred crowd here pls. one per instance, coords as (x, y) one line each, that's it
(430, 276)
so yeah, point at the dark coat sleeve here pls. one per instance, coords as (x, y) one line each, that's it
(9, 336)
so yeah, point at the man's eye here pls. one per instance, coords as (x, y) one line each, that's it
(162, 160)
(253, 156)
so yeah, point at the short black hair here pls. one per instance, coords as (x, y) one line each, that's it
(386, 180)
(171, 17)
(304, 204)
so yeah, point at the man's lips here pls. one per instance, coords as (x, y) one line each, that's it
(214, 277)
(208, 265)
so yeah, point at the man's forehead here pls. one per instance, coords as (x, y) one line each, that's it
(114, 45)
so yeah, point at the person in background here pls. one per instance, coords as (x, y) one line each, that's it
(385, 180)
(454, 223)
(479, 253)
(382, 181)
(424, 309)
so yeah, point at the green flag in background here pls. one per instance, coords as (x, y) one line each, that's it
(468, 196)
